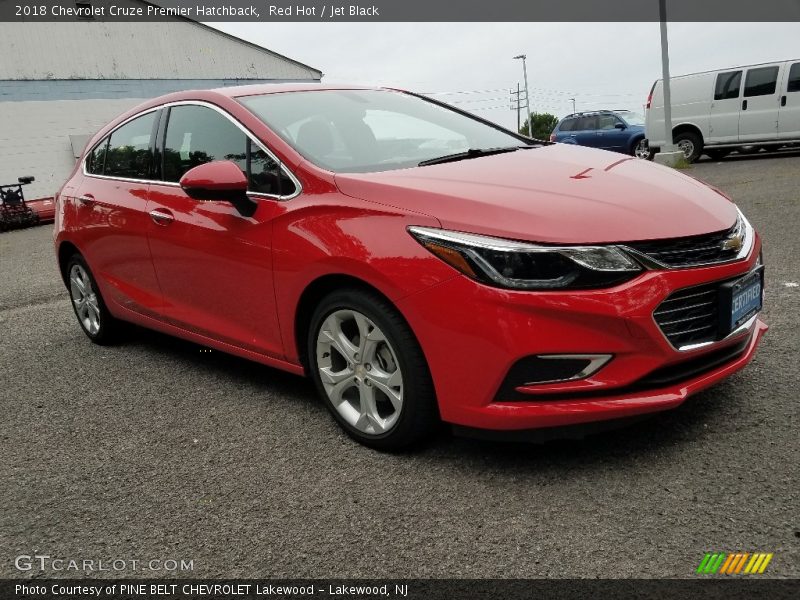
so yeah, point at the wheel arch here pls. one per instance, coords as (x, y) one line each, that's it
(65, 251)
(634, 141)
(313, 294)
(687, 127)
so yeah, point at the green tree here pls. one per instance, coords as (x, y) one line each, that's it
(543, 125)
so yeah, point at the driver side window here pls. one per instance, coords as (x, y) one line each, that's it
(198, 134)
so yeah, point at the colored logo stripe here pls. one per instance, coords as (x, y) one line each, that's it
(733, 564)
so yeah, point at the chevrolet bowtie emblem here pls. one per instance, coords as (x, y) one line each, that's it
(733, 243)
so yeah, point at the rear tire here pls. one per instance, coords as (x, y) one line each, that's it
(370, 371)
(90, 309)
(690, 144)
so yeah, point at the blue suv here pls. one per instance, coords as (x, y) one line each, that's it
(617, 130)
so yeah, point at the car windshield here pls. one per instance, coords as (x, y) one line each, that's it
(374, 130)
(632, 118)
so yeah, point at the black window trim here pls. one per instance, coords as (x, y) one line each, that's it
(161, 132)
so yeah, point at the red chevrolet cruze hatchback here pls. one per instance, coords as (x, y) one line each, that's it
(419, 263)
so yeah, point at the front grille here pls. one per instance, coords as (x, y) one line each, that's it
(696, 250)
(690, 315)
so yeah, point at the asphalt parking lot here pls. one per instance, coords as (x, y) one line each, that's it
(157, 450)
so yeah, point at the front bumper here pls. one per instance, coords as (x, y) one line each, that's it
(472, 334)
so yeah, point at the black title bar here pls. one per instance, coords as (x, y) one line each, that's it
(400, 10)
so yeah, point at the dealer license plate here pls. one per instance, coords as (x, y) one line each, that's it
(741, 299)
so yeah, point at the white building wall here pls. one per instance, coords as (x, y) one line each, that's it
(177, 49)
(34, 138)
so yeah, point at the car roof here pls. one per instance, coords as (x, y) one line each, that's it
(590, 113)
(237, 91)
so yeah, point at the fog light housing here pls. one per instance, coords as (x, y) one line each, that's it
(548, 368)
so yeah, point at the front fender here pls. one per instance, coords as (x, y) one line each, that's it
(333, 234)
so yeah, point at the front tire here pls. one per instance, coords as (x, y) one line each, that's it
(690, 144)
(370, 370)
(90, 309)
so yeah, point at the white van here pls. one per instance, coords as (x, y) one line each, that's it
(717, 112)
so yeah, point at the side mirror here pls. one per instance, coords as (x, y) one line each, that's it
(219, 180)
(620, 126)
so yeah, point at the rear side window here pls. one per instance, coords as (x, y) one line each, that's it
(794, 78)
(129, 153)
(728, 85)
(586, 123)
(760, 82)
(95, 162)
(198, 134)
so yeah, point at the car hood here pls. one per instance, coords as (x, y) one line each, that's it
(558, 194)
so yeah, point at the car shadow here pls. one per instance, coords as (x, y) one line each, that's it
(222, 365)
(761, 155)
(659, 434)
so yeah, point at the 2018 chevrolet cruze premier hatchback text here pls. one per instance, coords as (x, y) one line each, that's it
(420, 264)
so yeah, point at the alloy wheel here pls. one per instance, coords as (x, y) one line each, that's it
(359, 371)
(84, 298)
(687, 147)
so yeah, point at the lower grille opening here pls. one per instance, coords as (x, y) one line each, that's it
(662, 377)
(693, 367)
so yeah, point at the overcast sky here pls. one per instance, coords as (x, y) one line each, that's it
(602, 65)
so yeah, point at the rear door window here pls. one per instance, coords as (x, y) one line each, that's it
(760, 82)
(129, 155)
(728, 85)
(587, 123)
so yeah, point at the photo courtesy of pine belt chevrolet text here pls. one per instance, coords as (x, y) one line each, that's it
(420, 264)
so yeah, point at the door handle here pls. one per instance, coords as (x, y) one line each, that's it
(744, 104)
(783, 100)
(86, 199)
(161, 216)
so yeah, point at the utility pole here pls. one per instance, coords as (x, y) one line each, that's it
(662, 15)
(527, 96)
(516, 103)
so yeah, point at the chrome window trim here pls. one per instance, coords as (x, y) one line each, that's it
(231, 118)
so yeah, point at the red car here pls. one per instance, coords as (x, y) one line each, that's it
(419, 263)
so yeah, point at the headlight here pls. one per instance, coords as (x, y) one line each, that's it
(519, 265)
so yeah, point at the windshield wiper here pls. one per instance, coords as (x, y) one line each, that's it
(471, 153)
